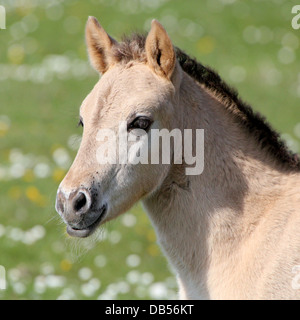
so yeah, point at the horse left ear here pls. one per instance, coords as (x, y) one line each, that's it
(99, 45)
(159, 50)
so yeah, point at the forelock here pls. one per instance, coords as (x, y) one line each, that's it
(131, 48)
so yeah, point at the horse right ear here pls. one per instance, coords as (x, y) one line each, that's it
(99, 45)
(159, 50)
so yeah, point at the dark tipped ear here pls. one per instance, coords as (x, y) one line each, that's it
(160, 52)
(99, 45)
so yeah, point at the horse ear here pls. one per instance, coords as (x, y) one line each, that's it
(99, 45)
(159, 50)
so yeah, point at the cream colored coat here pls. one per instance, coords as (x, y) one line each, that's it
(232, 232)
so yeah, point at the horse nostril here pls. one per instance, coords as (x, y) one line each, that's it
(80, 201)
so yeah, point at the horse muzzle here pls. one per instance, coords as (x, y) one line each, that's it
(80, 210)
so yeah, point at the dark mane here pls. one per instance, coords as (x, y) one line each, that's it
(133, 49)
(252, 121)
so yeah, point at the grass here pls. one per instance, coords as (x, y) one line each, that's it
(251, 44)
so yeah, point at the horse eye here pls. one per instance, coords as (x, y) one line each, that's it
(80, 123)
(140, 123)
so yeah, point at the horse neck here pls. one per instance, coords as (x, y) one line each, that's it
(196, 216)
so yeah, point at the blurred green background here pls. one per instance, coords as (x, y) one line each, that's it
(45, 75)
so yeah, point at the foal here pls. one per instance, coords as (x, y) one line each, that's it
(230, 232)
